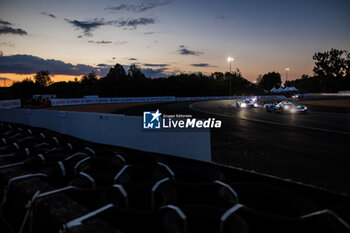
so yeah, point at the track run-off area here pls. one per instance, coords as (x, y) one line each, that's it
(312, 149)
(309, 148)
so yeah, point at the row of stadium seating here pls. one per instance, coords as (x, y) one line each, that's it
(57, 183)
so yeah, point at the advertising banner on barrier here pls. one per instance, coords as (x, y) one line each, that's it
(140, 99)
(168, 98)
(58, 102)
(74, 101)
(154, 99)
(183, 98)
(64, 102)
(90, 101)
(129, 100)
(117, 100)
(7, 104)
(103, 100)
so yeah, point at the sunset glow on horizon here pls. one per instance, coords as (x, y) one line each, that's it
(72, 38)
(21, 77)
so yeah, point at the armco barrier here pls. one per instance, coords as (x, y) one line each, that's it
(7, 104)
(113, 129)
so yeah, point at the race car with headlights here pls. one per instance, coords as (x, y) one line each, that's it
(247, 103)
(286, 107)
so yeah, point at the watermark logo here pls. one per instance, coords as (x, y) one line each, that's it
(155, 120)
(152, 120)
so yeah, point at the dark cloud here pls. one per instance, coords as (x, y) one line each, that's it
(2, 22)
(154, 73)
(220, 17)
(6, 28)
(202, 65)
(133, 23)
(132, 59)
(88, 25)
(185, 51)
(147, 5)
(100, 41)
(11, 30)
(113, 58)
(49, 15)
(156, 65)
(27, 64)
(102, 65)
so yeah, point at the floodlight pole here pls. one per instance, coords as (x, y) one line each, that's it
(287, 69)
(230, 59)
(230, 80)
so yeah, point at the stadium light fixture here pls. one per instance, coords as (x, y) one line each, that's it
(287, 69)
(230, 59)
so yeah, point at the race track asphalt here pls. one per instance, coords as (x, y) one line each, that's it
(313, 149)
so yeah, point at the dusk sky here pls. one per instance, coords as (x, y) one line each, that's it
(72, 37)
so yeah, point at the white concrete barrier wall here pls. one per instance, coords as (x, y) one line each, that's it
(271, 97)
(336, 94)
(64, 102)
(345, 93)
(117, 130)
(16, 103)
(79, 101)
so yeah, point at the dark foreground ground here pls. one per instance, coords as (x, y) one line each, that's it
(83, 187)
(312, 149)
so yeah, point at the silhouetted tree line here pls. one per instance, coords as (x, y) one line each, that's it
(118, 82)
(331, 74)
(269, 80)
